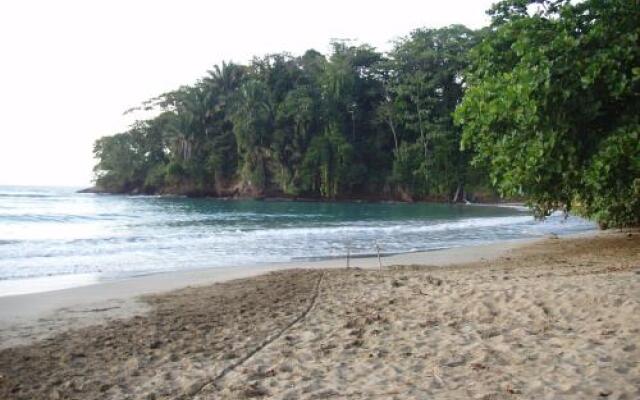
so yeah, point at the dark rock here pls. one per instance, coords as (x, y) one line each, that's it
(92, 189)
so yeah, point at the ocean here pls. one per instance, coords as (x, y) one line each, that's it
(53, 238)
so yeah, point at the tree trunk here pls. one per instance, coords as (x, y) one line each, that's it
(390, 122)
(424, 143)
(459, 193)
(395, 136)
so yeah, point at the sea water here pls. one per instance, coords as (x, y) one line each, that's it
(51, 238)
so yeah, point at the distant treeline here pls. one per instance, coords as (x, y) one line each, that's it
(357, 123)
(543, 104)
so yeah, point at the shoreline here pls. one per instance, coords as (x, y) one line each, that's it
(45, 283)
(550, 318)
(53, 283)
(33, 316)
(480, 200)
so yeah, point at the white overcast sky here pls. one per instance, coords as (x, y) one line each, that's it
(68, 69)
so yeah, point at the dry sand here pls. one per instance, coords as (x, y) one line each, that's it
(558, 318)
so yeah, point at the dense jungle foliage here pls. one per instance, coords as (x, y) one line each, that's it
(543, 104)
(357, 123)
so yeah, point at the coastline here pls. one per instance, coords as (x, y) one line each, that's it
(478, 198)
(557, 317)
(33, 316)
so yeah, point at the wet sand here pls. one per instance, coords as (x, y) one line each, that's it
(24, 318)
(557, 318)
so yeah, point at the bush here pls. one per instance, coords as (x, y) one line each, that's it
(155, 178)
(612, 181)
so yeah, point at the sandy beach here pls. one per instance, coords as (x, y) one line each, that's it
(553, 318)
(24, 318)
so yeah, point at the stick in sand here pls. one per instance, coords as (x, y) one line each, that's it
(348, 252)
(379, 259)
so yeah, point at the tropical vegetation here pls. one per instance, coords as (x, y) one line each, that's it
(553, 106)
(543, 104)
(354, 124)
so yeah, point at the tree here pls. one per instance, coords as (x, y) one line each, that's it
(326, 165)
(424, 85)
(124, 159)
(352, 124)
(252, 124)
(553, 104)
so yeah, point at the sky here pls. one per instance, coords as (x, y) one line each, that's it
(69, 69)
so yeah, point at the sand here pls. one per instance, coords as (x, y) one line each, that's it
(35, 316)
(558, 318)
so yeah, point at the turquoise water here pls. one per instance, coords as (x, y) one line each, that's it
(48, 232)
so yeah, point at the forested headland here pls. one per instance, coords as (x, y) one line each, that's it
(544, 105)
